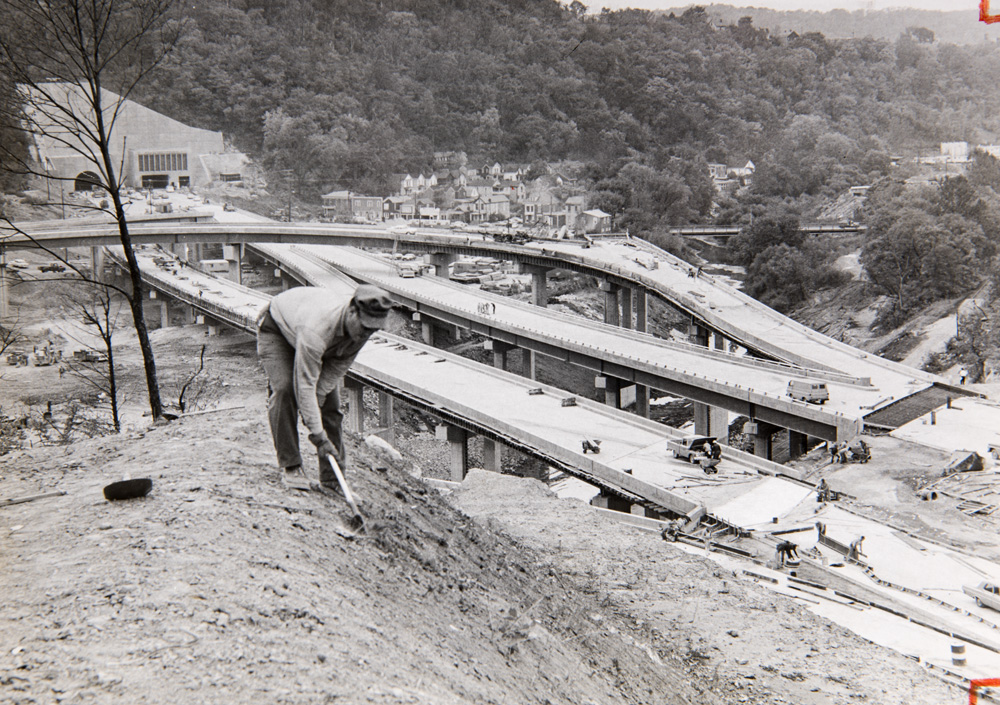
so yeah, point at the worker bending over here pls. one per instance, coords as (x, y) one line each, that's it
(307, 338)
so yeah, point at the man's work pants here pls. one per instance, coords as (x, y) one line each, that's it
(278, 358)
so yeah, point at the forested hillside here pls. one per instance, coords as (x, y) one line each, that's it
(960, 26)
(345, 93)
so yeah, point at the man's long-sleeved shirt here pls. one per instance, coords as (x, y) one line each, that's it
(312, 320)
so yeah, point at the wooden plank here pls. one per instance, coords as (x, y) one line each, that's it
(29, 498)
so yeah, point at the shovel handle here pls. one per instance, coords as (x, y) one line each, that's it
(343, 483)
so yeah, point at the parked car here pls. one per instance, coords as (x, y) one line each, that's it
(812, 392)
(18, 264)
(985, 594)
(52, 267)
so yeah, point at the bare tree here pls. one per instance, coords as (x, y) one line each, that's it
(74, 64)
(95, 365)
(10, 334)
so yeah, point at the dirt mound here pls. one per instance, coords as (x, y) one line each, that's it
(222, 586)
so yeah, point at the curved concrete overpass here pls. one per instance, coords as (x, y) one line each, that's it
(627, 264)
(634, 463)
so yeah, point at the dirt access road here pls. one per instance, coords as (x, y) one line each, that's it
(222, 587)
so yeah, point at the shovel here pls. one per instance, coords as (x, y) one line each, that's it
(357, 521)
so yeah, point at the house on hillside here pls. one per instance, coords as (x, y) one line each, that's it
(409, 185)
(154, 150)
(399, 207)
(596, 221)
(955, 151)
(450, 160)
(477, 187)
(730, 179)
(344, 204)
(482, 209)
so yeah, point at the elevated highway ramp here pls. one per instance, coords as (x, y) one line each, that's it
(634, 462)
(743, 385)
(626, 261)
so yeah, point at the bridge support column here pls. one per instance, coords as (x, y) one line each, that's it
(640, 310)
(500, 350)
(426, 328)
(155, 311)
(711, 421)
(354, 419)
(164, 315)
(642, 400)
(440, 262)
(539, 284)
(612, 502)
(458, 439)
(492, 455)
(233, 254)
(529, 360)
(386, 430)
(187, 314)
(612, 390)
(761, 433)
(97, 263)
(611, 311)
(625, 295)
(796, 444)
(698, 334)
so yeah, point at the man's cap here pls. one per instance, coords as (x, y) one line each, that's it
(373, 305)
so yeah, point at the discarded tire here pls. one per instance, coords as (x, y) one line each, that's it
(128, 489)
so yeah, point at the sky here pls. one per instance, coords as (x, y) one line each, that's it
(970, 5)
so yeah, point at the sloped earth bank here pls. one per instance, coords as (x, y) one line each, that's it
(223, 587)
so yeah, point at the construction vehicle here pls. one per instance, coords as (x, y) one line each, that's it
(46, 356)
(701, 450)
(17, 359)
(85, 355)
(812, 392)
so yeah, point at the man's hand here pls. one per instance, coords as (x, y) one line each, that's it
(324, 447)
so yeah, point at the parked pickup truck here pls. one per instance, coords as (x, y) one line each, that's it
(985, 593)
(703, 450)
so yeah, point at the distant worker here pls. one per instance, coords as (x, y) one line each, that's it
(307, 338)
(671, 531)
(714, 450)
(823, 493)
(787, 551)
(963, 374)
(855, 550)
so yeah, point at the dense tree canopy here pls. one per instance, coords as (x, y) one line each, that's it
(356, 91)
(933, 241)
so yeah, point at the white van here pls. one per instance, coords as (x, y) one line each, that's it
(812, 392)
